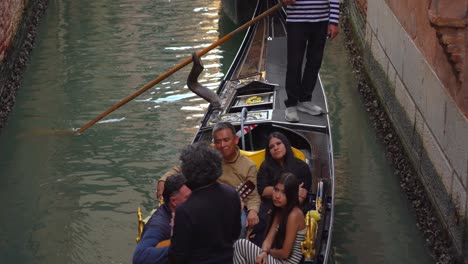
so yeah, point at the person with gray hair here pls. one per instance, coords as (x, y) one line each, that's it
(237, 169)
(207, 224)
(159, 227)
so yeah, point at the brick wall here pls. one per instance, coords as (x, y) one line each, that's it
(435, 27)
(10, 17)
(423, 89)
(19, 20)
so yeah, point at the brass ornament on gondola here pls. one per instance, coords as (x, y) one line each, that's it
(308, 245)
(254, 100)
(141, 224)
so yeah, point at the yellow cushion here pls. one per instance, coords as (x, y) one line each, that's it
(258, 156)
(299, 154)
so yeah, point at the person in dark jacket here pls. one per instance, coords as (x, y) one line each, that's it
(237, 169)
(159, 228)
(279, 159)
(207, 224)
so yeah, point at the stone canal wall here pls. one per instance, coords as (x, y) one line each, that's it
(414, 55)
(18, 22)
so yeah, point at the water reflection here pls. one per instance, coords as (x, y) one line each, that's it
(373, 221)
(72, 199)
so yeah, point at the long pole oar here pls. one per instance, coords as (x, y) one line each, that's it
(178, 67)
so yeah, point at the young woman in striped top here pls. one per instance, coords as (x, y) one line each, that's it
(286, 229)
(309, 23)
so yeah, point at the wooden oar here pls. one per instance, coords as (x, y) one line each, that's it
(178, 67)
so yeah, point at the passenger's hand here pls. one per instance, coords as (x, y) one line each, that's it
(333, 31)
(302, 195)
(252, 218)
(160, 189)
(262, 258)
(288, 2)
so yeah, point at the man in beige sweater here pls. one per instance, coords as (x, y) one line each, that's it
(237, 169)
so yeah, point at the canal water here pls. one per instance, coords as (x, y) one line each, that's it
(72, 199)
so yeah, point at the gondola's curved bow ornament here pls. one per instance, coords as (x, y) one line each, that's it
(200, 90)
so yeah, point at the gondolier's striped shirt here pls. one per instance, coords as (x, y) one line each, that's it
(314, 11)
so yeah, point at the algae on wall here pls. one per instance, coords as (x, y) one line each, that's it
(19, 23)
(12, 12)
(398, 123)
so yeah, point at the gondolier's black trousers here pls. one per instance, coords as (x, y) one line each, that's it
(300, 83)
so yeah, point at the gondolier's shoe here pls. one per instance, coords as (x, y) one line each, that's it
(291, 114)
(309, 108)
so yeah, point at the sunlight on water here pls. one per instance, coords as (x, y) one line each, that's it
(173, 98)
(113, 120)
(72, 198)
(194, 108)
(75, 196)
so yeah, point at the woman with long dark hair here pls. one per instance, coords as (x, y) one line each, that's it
(286, 228)
(279, 159)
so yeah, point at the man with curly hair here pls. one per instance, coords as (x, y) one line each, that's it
(207, 224)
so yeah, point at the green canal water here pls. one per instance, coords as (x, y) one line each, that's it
(72, 199)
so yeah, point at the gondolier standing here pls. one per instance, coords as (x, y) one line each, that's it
(309, 23)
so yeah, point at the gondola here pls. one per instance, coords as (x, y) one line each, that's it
(251, 98)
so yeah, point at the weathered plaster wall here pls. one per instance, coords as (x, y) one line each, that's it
(18, 22)
(418, 85)
(10, 17)
(438, 30)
